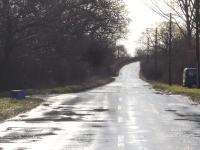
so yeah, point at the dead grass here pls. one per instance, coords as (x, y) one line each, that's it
(11, 107)
(88, 84)
(194, 93)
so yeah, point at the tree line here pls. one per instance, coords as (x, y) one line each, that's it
(47, 42)
(156, 54)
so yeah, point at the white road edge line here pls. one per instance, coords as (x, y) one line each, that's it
(121, 142)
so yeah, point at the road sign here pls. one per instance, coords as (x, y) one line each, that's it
(1, 3)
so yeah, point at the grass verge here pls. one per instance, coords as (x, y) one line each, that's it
(177, 89)
(11, 107)
(73, 88)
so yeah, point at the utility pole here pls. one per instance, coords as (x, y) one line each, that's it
(170, 50)
(1, 4)
(148, 47)
(118, 53)
(197, 42)
(155, 53)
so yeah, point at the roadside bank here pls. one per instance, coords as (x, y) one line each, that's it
(11, 107)
(194, 93)
(73, 88)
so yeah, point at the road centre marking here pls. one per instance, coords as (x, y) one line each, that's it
(120, 119)
(119, 108)
(121, 141)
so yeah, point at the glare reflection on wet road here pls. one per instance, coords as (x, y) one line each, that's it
(124, 115)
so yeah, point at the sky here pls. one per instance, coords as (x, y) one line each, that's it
(142, 17)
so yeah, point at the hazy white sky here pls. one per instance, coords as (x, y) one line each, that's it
(142, 17)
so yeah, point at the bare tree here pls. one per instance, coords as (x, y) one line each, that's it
(182, 10)
(52, 36)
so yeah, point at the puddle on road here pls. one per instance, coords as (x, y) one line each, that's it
(65, 112)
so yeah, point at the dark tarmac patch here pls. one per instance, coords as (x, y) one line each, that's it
(21, 148)
(84, 138)
(52, 113)
(189, 118)
(194, 104)
(188, 115)
(159, 93)
(98, 126)
(193, 133)
(22, 116)
(73, 101)
(46, 104)
(49, 119)
(61, 115)
(30, 128)
(193, 118)
(64, 107)
(65, 113)
(26, 133)
(97, 121)
(100, 110)
(171, 110)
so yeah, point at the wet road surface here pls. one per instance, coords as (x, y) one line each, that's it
(124, 115)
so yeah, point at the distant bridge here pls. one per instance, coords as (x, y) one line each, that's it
(122, 62)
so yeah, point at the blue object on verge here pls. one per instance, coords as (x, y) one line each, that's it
(18, 94)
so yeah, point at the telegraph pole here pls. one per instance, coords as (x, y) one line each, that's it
(148, 47)
(1, 4)
(155, 53)
(197, 42)
(170, 50)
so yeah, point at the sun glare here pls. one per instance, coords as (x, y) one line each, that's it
(141, 17)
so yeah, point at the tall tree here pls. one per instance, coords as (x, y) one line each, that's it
(45, 33)
(182, 10)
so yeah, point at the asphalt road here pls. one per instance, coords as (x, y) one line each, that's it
(124, 115)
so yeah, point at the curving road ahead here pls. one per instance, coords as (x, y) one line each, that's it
(124, 115)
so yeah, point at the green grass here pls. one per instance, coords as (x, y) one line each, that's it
(11, 107)
(177, 89)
